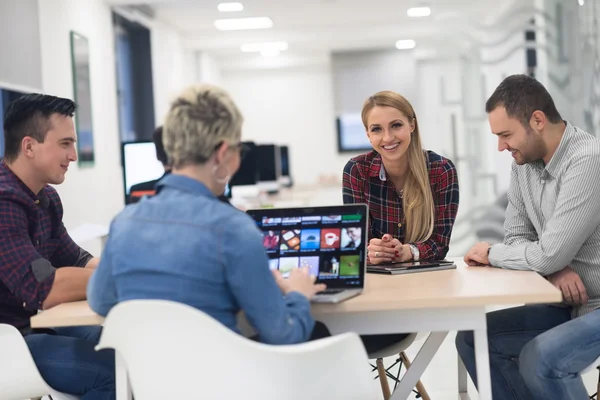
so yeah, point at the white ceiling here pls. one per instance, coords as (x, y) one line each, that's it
(316, 26)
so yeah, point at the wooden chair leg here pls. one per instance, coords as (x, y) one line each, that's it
(383, 380)
(420, 388)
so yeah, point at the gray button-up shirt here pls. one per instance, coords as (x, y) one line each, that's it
(553, 215)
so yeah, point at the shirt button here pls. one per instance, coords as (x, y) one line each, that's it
(24, 305)
(37, 242)
(399, 225)
(37, 202)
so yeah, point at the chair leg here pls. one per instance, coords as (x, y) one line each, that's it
(419, 386)
(385, 387)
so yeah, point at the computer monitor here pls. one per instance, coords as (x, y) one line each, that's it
(139, 164)
(269, 167)
(351, 134)
(286, 177)
(244, 182)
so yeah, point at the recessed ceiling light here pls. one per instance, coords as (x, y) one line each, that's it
(230, 7)
(238, 24)
(405, 44)
(270, 53)
(581, 2)
(418, 12)
(266, 46)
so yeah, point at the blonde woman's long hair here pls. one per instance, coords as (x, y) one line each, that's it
(417, 198)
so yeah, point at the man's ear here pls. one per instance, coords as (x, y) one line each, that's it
(538, 120)
(27, 146)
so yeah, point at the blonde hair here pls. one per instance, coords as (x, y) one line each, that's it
(417, 198)
(199, 119)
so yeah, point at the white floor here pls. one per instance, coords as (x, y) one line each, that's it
(440, 378)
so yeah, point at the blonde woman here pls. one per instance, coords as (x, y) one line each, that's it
(412, 194)
(184, 244)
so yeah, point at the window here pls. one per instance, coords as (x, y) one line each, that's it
(134, 80)
(6, 96)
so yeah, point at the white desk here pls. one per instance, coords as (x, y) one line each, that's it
(436, 302)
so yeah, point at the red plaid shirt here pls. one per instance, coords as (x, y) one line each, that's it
(363, 183)
(31, 232)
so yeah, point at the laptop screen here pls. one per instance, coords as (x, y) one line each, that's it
(331, 241)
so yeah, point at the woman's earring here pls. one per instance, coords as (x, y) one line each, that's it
(218, 179)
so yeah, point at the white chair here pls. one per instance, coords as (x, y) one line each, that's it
(174, 351)
(19, 376)
(383, 373)
(593, 366)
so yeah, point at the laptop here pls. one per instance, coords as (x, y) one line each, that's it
(331, 241)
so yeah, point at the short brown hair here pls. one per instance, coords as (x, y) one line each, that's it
(521, 95)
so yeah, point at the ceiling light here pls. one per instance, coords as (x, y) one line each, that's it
(405, 44)
(418, 12)
(230, 7)
(581, 2)
(270, 52)
(238, 24)
(267, 46)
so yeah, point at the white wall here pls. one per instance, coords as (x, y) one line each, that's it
(358, 75)
(20, 46)
(292, 106)
(90, 194)
(209, 70)
(169, 71)
(95, 194)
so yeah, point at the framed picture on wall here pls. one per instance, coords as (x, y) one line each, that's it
(80, 61)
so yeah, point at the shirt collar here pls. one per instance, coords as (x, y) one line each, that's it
(41, 198)
(184, 184)
(376, 169)
(555, 162)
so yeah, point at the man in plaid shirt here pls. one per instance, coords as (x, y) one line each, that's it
(40, 265)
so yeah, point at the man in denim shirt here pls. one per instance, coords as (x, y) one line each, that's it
(185, 245)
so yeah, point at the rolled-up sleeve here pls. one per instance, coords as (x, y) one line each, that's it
(26, 274)
(68, 253)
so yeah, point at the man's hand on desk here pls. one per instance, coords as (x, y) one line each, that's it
(478, 255)
(571, 286)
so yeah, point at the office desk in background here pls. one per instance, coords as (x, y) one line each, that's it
(436, 302)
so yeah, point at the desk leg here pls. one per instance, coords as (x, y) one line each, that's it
(418, 366)
(482, 360)
(463, 376)
(123, 388)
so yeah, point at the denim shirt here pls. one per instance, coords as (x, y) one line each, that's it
(185, 245)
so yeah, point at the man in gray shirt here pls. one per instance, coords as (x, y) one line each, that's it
(552, 226)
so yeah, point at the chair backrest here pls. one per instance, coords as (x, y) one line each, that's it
(172, 350)
(19, 376)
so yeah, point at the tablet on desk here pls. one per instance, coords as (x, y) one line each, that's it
(411, 267)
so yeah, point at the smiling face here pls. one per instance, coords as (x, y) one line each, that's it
(389, 132)
(524, 143)
(50, 159)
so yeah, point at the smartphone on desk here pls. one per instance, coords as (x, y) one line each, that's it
(408, 267)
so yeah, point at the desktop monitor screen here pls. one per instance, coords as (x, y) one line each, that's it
(140, 164)
(269, 165)
(247, 174)
(351, 134)
(285, 160)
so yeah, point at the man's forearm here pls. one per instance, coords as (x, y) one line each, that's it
(93, 263)
(70, 284)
